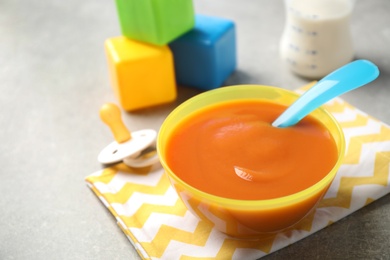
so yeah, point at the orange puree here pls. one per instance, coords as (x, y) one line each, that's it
(231, 150)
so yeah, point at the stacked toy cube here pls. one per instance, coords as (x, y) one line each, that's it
(163, 43)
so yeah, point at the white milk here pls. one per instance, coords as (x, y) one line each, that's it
(316, 38)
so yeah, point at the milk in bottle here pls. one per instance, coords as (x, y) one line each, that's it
(316, 38)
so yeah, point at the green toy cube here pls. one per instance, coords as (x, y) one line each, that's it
(155, 21)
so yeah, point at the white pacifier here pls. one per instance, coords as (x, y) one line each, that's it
(136, 149)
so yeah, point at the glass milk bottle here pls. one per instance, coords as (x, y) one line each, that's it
(317, 38)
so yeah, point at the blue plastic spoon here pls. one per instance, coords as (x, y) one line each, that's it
(349, 77)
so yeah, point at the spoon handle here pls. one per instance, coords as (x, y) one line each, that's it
(340, 81)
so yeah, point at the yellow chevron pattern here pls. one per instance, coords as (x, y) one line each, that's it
(159, 226)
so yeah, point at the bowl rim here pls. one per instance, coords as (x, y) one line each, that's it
(252, 204)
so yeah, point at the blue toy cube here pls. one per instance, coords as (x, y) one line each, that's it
(205, 56)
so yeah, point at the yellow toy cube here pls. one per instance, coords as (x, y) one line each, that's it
(142, 74)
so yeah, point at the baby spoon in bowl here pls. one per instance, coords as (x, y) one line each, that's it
(351, 76)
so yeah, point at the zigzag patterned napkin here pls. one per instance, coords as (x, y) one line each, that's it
(156, 222)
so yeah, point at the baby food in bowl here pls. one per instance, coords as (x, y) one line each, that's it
(232, 168)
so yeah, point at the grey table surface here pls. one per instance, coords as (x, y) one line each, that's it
(53, 80)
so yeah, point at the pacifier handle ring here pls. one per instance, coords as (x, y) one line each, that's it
(142, 160)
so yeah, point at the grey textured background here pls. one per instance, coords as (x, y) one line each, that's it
(53, 80)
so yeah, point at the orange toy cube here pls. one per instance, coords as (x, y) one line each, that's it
(142, 74)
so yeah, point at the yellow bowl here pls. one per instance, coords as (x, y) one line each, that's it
(248, 218)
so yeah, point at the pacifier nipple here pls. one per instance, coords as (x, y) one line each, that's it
(135, 149)
(110, 114)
